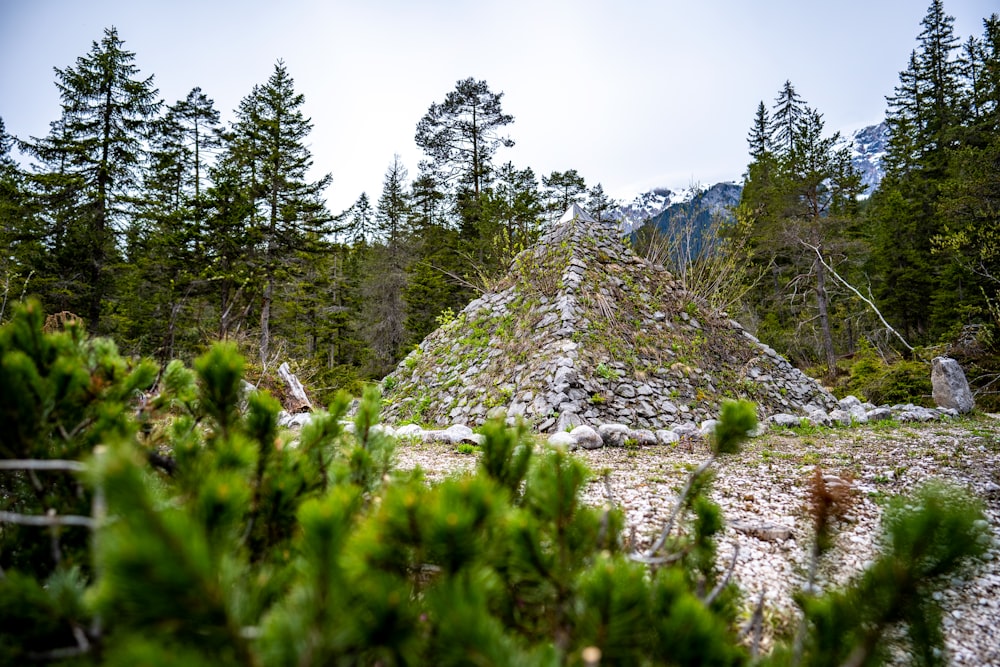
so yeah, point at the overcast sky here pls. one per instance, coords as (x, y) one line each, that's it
(632, 94)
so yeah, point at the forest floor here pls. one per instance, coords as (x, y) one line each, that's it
(763, 493)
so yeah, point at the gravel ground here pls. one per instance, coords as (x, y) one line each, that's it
(762, 491)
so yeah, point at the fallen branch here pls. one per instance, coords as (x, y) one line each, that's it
(681, 500)
(725, 580)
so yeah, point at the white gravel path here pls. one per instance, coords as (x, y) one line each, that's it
(766, 483)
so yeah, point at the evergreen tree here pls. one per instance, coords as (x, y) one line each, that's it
(228, 246)
(383, 315)
(599, 205)
(90, 163)
(788, 111)
(799, 195)
(760, 134)
(918, 293)
(461, 135)
(242, 549)
(563, 188)
(289, 212)
(20, 230)
(970, 195)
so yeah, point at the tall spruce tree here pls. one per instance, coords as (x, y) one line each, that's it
(799, 194)
(383, 316)
(919, 292)
(289, 212)
(20, 231)
(91, 164)
(563, 188)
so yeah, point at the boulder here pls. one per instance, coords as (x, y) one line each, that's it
(562, 439)
(665, 437)
(785, 420)
(950, 389)
(586, 437)
(613, 435)
(643, 437)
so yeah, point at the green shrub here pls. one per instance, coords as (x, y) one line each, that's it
(241, 547)
(881, 383)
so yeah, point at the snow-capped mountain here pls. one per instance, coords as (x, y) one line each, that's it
(661, 205)
(868, 146)
(645, 206)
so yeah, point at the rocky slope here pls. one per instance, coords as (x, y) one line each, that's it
(583, 331)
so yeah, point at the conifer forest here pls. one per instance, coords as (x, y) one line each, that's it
(173, 245)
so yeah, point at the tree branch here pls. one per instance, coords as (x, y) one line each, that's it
(846, 284)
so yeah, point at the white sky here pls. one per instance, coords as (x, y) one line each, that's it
(632, 94)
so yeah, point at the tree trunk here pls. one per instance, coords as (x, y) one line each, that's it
(824, 319)
(265, 319)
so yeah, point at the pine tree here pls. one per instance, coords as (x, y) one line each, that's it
(92, 160)
(461, 135)
(240, 548)
(798, 196)
(563, 188)
(599, 205)
(165, 244)
(21, 231)
(788, 112)
(383, 315)
(759, 138)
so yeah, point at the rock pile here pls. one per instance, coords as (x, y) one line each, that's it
(582, 331)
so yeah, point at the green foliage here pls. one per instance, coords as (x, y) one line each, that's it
(736, 421)
(881, 383)
(247, 545)
(927, 537)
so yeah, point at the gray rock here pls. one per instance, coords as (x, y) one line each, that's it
(950, 388)
(643, 437)
(613, 435)
(568, 421)
(562, 439)
(685, 429)
(665, 437)
(820, 418)
(879, 414)
(625, 391)
(410, 431)
(848, 402)
(763, 530)
(841, 417)
(459, 433)
(707, 427)
(586, 437)
(785, 420)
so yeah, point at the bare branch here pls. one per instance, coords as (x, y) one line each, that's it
(47, 520)
(681, 499)
(725, 580)
(42, 464)
(861, 296)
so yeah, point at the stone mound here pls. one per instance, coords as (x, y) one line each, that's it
(583, 331)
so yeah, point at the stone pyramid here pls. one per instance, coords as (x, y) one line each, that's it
(583, 331)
